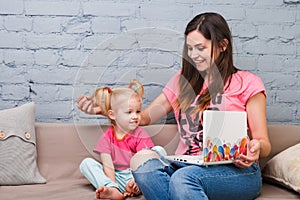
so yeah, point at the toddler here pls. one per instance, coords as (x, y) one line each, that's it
(112, 177)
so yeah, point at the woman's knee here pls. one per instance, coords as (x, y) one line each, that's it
(184, 185)
(141, 157)
(159, 150)
(177, 179)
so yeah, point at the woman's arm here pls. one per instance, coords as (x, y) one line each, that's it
(156, 110)
(259, 145)
(257, 121)
(86, 104)
(108, 166)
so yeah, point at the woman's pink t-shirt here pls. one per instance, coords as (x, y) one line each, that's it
(122, 150)
(242, 87)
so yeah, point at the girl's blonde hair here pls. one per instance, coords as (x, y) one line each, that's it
(103, 96)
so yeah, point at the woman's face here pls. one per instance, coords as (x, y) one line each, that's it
(199, 50)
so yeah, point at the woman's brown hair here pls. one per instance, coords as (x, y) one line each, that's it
(213, 27)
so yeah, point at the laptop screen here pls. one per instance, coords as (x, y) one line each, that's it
(224, 135)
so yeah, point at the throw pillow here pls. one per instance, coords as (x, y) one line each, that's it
(284, 168)
(17, 146)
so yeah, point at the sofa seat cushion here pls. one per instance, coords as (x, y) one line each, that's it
(273, 191)
(58, 190)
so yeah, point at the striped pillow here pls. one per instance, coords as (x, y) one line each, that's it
(17, 147)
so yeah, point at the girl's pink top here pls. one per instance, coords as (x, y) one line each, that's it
(121, 150)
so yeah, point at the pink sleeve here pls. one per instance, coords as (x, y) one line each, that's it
(103, 144)
(171, 89)
(143, 140)
(252, 85)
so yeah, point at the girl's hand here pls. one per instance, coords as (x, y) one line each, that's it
(252, 156)
(86, 104)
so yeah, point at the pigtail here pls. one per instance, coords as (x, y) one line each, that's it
(102, 99)
(137, 87)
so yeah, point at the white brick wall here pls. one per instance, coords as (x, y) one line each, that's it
(53, 50)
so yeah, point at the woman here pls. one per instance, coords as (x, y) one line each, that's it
(207, 80)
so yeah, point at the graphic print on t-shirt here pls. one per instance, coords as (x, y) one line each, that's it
(191, 128)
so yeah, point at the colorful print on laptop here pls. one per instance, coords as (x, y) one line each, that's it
(224, 138)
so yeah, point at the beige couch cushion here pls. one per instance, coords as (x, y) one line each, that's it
(61, 148)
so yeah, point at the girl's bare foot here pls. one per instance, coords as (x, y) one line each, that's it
(109, 193)
(132, 188)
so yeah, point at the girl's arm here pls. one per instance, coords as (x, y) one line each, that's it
(260, 145)
(108, 166)
(156, 110)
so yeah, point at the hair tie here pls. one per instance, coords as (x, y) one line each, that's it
(109, 90)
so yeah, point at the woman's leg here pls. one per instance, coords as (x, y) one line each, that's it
(93, 171)
(159, 150)
(151, 174)
(215, 182)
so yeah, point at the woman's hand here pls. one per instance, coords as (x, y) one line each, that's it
(252, 156)
(86, 104)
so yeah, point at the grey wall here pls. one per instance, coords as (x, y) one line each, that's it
(53, 50)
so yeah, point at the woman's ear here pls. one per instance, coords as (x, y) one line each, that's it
(111, 115)
(223, 45)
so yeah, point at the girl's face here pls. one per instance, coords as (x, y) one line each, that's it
(199, 50)
(126, 113)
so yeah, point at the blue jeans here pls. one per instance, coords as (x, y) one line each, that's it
(178, 181)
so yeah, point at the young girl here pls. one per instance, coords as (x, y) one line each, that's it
(119, 143)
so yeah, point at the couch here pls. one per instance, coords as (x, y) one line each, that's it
(61, 147)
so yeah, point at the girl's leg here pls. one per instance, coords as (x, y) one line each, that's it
(215, 182)
(122, 178)
(93, 171)
(126, 182)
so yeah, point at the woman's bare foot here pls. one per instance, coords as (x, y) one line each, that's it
(132, 189)
(109, 193)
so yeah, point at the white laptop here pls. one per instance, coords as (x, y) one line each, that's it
(224, 138)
